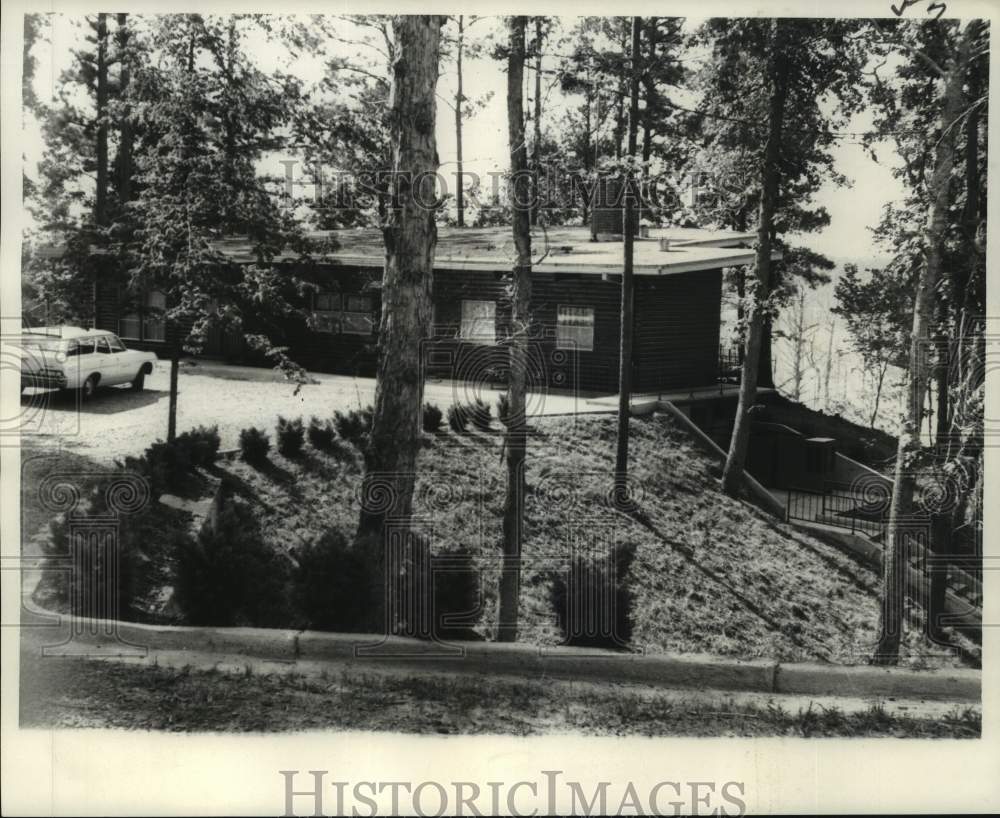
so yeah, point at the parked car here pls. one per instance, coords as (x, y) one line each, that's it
(77, 358)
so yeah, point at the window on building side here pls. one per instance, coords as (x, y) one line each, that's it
(575, 328)
(479, 322)
(346, 314)
(326, 312)
(147, 323)
(358, 315)
(154, 328)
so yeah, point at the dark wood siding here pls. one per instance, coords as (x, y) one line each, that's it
(677, 330)
(595, 370)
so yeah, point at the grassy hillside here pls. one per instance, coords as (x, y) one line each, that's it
(710, 574)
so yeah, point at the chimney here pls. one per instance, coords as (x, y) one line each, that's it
(608, 213)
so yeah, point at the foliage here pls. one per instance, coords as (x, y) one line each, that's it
(169, 466)
(593, 606)
(202, 444)
(432, 417)
(335, 580)
(254, 445)
(291, 436)
(333, 584)
(458, 417)
(321, 434)
(229, 576)
(355, 425)
(480, 414)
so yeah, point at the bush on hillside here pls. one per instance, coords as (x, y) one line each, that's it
(593, 605)
(433, 596)
(321, 434)
(480, 414)
(432, 417)
(291, 436)
(254, 445)
(202, 444)
(354, 426)
(333, 584)
(458, 418)
(229, 576)
(117, 573)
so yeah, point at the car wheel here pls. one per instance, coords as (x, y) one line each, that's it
(89, 388)
(139, 382)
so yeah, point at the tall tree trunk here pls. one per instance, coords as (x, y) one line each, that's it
(125, 126)
(777, 75)
(628, 287)
(624, 84)
(187, 149)
(897, 543)
(651, 110)
(459, 105)
(948, 444)
(765, 367)
(101, 191)
(536, 148)
(101, 188)
(175, 365)
(410, 238)
(520, 323)
(229, 133)
(587, 150)
(828, 367)
(879, 382)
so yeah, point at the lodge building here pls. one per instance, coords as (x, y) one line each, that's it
(575, 307)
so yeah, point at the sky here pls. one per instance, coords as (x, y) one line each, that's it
(852, 209)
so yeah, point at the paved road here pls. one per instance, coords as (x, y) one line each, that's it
(120, 422)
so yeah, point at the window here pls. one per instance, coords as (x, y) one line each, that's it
(116, 345)
(147, 324)
(358, 315)
(575, 328)
(326, 312)
(102, 346)
(347, 314)
(479, 322)
(82, 347)
(154, 327)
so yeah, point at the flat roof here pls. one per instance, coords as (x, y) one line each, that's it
(556, 250)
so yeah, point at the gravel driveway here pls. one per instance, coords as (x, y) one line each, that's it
(119, 422)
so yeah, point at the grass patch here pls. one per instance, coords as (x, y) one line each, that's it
(708, 575)
(86, 693)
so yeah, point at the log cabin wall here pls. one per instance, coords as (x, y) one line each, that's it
(676, 340)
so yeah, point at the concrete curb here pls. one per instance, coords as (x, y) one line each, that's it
(662, 670)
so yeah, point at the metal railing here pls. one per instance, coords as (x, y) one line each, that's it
(839, 506)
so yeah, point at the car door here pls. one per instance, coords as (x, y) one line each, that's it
(107, 362)
(124, 367)
(81, 360)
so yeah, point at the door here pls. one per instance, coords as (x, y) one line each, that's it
(125, 365)
(109, 363)
(81, 360)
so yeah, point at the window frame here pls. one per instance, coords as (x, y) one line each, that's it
(478, 338)
(329, 315)
(575, 346)
(144, 320)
